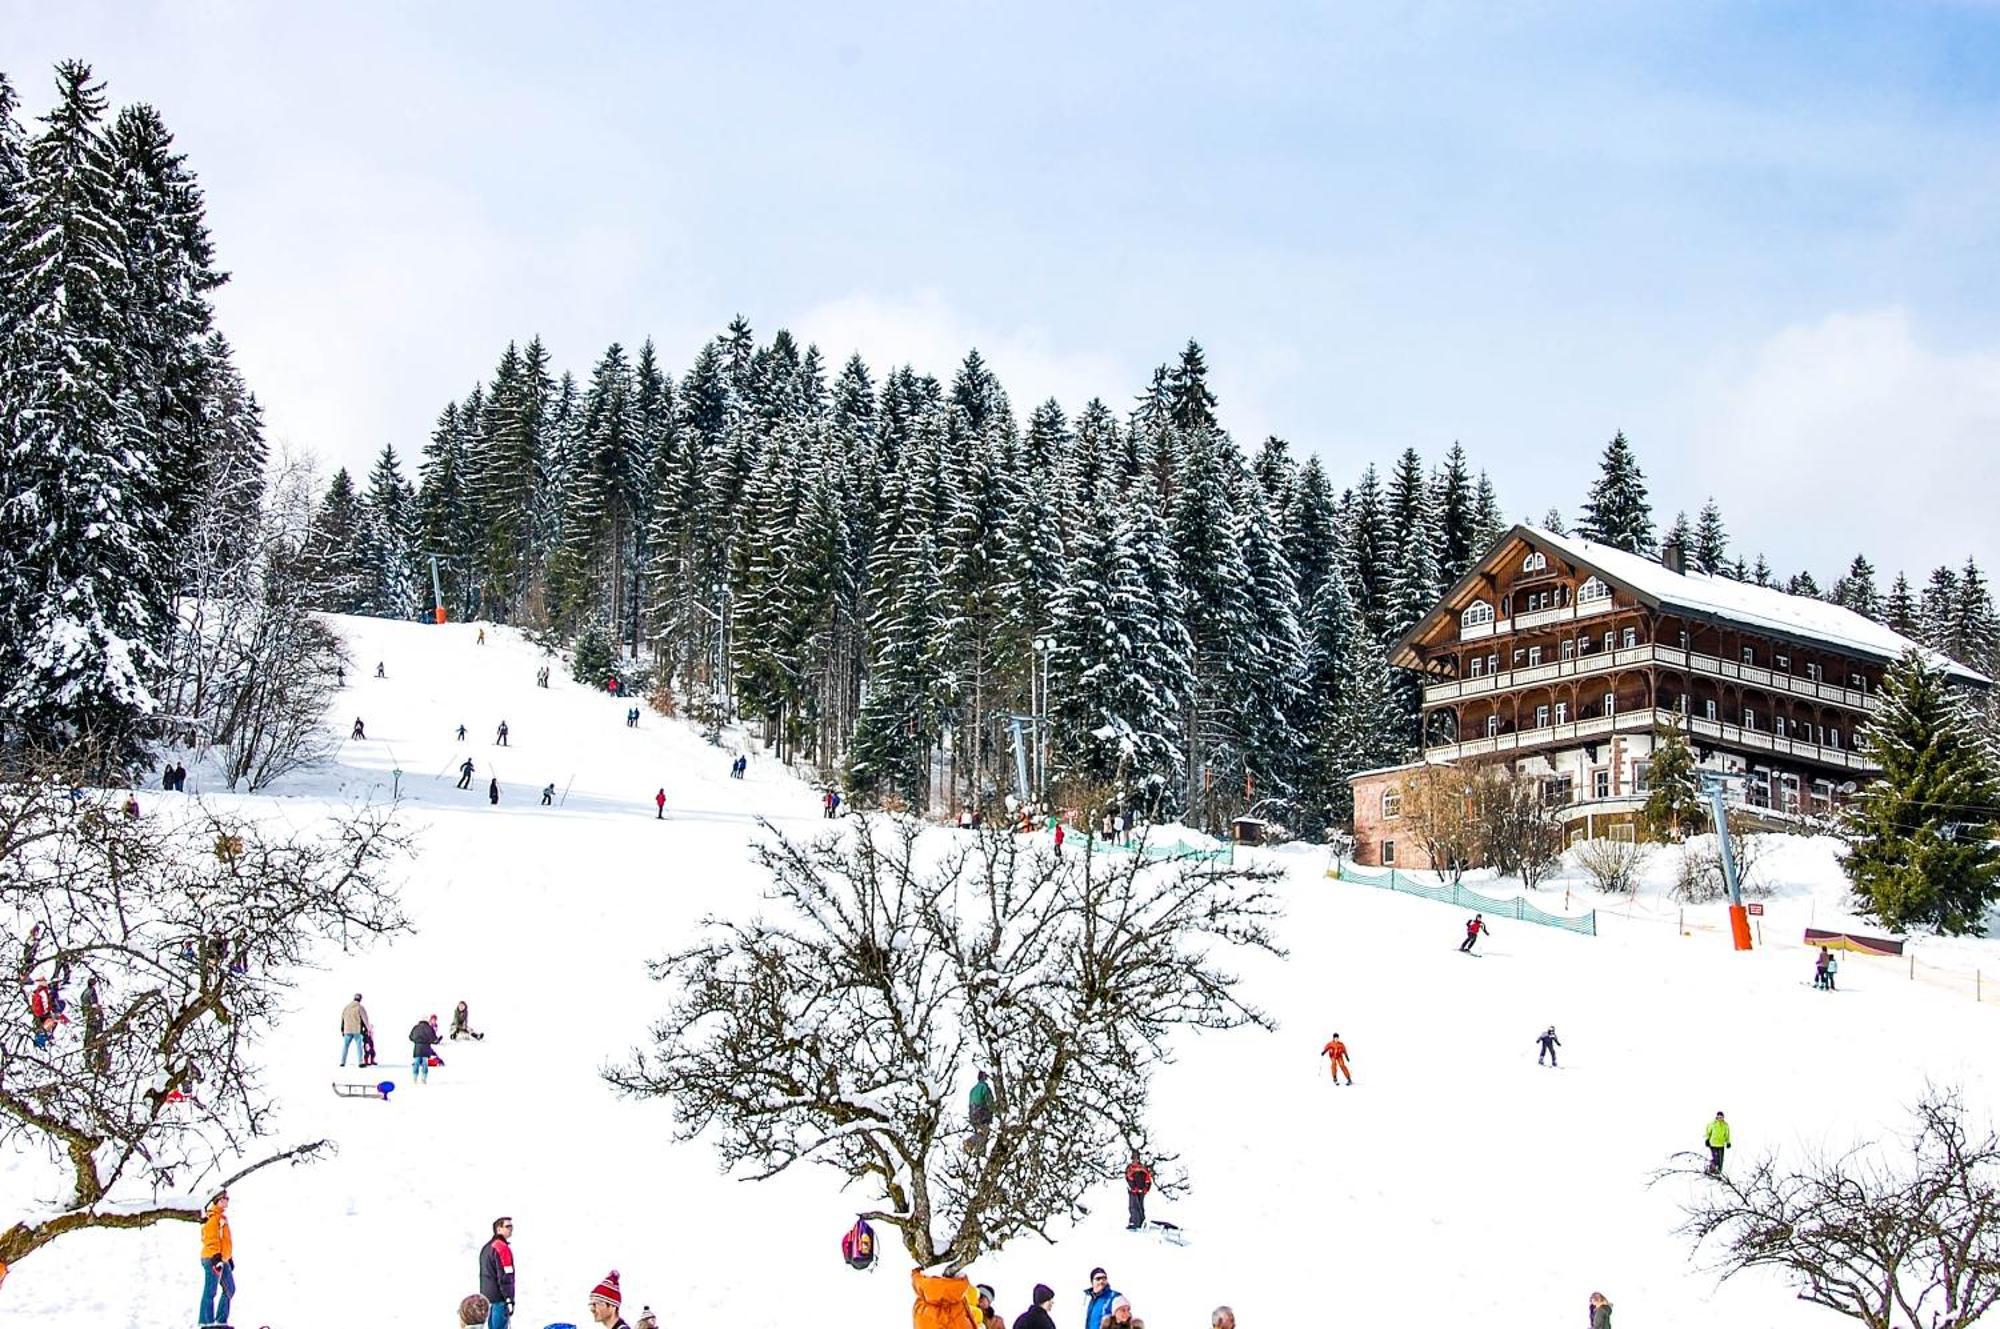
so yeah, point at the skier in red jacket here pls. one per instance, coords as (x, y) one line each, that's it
(1472, 931)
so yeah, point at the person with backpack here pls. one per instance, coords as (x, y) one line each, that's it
(1717, 1139)
(353, 1029)
(944, 1301)
(1549, 1043)
(1472, 931)
(500, 735)
(423, 1038)
(496, 1273)
(979, 1110)
(1335, 1053)
(1138, 1181)
(857, 1244)
(465, 774)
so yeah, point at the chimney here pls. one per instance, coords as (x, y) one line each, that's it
(1674, 557)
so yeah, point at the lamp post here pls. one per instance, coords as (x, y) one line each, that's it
(1045, 645)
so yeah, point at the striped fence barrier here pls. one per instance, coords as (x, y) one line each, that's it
(1454, 894)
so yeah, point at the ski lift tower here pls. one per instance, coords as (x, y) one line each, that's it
(437, 602)
(1713, 784)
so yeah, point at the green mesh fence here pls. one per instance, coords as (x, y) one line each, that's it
(1516, 908)
(1159, 852)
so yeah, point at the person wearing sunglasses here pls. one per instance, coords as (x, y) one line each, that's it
(1097, 1310)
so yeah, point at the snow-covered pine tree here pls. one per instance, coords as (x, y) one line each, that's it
(445, 529)
(1487, 523)
(1760, 572)
(1617, 512)
(1208, 549)
(1270, 701)
(1802, 583)
(387, 540)
(1673, 803)
(1937, 613)
(1370, 554)
(1857, 591)
(1552, 522)
(589, 569)
(1921, 836)
(1973, 625)
(1899, 609)
(1711, 541)
(333, 554)
(1414, 586)
(13, 146)
(1331, 626)
(1455, 503)
(1032, 539)
(1680, 537)
(1309, 531)
(653, 406)
(82, 486)
(1367, 728)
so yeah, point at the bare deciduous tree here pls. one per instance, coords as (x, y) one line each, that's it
(1612, 865)
(171, 938)
(1903, 1241)
(1438, 807)
(847, 1028)
(1517, 828)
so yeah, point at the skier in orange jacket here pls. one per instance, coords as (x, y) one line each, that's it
(1335, 1053)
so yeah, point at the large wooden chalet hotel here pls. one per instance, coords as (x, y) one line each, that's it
(1562, 658)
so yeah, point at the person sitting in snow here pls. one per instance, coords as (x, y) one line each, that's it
(461, 1023)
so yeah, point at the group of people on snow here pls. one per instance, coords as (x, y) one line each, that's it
(952, 1301)
(493, 1305)
(357, 1035)
(1825, 969)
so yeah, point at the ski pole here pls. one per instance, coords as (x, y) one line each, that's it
(566, 785)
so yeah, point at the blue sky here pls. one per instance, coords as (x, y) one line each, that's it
(1760, 238)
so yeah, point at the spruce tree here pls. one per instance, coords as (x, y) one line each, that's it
(1679, 537)
(1711, 541)
(387, 541)
(1973, 627)
(1673, 804)
(1617, 513)
(1487, 523)
(1937, 614)
(1760, 572)
(1309, 529)
(1920, 836)
(83, 487)
(1857, 591)
(445, 528)
(333, 549)
(1369, 554)
(1552, 522)
(1899, 610)
(1455, 506)
(1802, 583)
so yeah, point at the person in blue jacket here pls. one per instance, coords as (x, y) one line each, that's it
(1101, 1294)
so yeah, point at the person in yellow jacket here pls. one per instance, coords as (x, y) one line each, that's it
(946, 1301)
(1718, 1140)
(218, 1262)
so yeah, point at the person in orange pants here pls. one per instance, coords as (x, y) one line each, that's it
(1335, 1053)
(944, 1302)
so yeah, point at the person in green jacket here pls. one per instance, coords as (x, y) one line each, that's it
(1718, 1140)
(980, 1111)
(1600, 1311)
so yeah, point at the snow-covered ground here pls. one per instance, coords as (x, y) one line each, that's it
(1455, 1183)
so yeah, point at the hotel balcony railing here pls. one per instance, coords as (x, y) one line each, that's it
(1691, 662)
(1644, 721)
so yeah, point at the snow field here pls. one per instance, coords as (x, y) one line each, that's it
(1456, 1182)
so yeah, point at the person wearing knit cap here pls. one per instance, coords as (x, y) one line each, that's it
(988, 1317)
(473, 1310)
(1037, 1316)
(604, 1302)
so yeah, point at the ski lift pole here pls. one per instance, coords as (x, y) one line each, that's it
(437, 591)
(1739, 917)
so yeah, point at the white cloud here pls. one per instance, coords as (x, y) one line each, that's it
(1851, 434)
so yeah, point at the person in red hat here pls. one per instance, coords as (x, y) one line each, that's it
(604, 1302)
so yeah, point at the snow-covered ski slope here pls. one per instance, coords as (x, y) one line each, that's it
(1455, 1183)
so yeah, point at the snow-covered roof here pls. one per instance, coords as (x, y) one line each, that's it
(1764, 608)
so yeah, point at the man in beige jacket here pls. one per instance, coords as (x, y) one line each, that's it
(353, 1024)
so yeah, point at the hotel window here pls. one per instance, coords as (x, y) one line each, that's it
(1569, 649)
(1610, 702)
(1631, 638)
(1492, 726)
(1592, 591)
(1541, 717)
(1749, 655)
(1562, 712)
(1684, 638)
(1857, 682)
(1708, 709)
(1519, 655)
(1493, 663)
(1788, 789)
(1392, 804)
(1478, 665)
(1833, 739)
(1477, 614)
(1600, 783)
(1812, 672)
(1642, 776)
(1608, 639)
(1534, 655)
(1783, 662)
(1749, 718)
(1534, 563)
(1388, 853)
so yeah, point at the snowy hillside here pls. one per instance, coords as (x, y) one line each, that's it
(1455, 1183)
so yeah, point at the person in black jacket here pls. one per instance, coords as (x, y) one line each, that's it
(496, 1273)
(1037, 1316)
(423, 1037)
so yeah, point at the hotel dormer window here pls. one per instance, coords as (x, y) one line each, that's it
(1534, 562)
(1477, 615)
(1592, 591)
